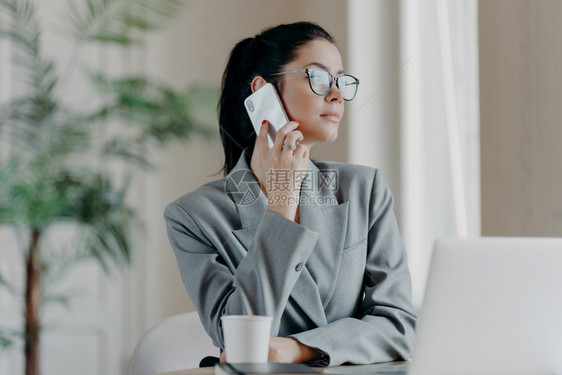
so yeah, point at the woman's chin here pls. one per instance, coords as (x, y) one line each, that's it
(331, 136)
(329, 133)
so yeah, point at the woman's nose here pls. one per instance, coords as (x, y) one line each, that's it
(334, 94)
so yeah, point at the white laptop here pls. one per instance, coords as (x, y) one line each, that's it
(491, 306)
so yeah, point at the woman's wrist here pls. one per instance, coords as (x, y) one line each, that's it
(307, 353)
(290, 350)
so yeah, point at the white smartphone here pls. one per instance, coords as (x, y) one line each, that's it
(265, 104)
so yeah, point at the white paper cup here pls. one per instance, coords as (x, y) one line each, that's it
(246, 338)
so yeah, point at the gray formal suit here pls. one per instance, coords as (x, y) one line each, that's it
(337, 281)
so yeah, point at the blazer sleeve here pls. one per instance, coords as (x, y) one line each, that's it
(259, 285)
(383, 328)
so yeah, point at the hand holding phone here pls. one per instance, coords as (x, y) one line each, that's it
(265, 104)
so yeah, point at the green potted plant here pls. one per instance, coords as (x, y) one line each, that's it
(54, 172)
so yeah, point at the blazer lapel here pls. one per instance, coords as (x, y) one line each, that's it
(251, 204)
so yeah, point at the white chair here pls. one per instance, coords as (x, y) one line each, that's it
(176, 343)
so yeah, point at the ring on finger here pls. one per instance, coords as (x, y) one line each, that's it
(293, 146)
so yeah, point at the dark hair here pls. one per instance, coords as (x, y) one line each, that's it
(263, 55)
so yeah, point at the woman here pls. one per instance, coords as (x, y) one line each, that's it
(313, 244)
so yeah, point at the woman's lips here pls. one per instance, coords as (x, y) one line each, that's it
(335, 117)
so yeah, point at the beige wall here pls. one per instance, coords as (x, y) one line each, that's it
(521, 117)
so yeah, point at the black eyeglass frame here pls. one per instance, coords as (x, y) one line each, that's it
(333, 79)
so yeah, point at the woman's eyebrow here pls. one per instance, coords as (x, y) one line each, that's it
(322, 66)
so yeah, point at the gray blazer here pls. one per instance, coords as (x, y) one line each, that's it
(337, 282)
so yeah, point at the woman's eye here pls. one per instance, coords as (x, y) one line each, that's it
(317, 78)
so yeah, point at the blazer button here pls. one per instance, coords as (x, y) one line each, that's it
(298, 267)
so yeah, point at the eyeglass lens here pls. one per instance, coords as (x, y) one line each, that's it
(321, 82)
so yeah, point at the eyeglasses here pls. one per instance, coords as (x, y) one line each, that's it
(321, 82)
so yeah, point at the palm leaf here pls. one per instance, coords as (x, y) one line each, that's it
(24, 28)
(7, 171)
(115, 20)
(128, 150)
(58, 260)
(28, 112)
(34, 203)
(105, 220)
(6, 339)
(157, 111)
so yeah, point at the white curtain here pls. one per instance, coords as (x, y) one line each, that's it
(419, 118)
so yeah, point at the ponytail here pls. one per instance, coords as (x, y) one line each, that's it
(263, 55)
(236, 130)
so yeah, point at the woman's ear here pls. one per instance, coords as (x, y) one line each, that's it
(257, 83)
